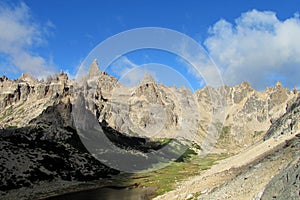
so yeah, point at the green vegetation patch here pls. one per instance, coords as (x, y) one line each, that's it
(12, 127)
(257, 134)
(165, 179)
(162, 141)
(225, 132)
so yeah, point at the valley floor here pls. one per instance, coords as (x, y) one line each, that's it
(242, 176)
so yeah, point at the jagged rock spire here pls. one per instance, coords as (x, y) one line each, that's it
(27, 78)
(278, 85)
(295, 91)
(147, 79)
(3, 78)
(245, 84)
(94, 69)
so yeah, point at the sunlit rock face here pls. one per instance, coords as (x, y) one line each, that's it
(239, 114)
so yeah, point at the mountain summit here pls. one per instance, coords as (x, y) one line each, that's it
(147, 79)
(94, 70)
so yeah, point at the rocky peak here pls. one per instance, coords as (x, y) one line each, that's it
(295, 91)
(63, 76)
(147, 79)
(278, 85)
(148, 88)
(278, 95)
(28, 78)
(245, 85)
(94, 70)
(3, 78)
(183, 88)
(241, 91)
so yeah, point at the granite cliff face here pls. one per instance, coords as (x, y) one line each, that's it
(249, 113)
(287, 123)
(25, 98)
(151, 109)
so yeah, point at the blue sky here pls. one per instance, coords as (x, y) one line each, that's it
(251, 40)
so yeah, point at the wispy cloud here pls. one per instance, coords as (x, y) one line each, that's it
(258, 48)
(199, 64)
(19, 36)
(128, 72)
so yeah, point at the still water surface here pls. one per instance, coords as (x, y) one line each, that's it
(108, 194)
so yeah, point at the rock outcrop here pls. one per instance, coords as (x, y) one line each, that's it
(25, 98)
(288, 123)
(47, 149)
(286, 184)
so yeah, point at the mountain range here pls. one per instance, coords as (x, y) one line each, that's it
(39, 124)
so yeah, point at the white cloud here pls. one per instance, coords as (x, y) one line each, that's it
(200, 65)
(258, 48)
(19, 36)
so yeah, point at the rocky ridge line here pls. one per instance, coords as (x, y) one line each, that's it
(153, 109)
